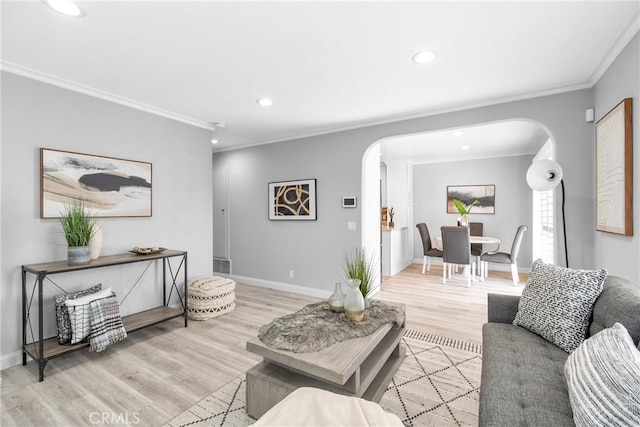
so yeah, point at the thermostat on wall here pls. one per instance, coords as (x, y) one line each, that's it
(349, 202)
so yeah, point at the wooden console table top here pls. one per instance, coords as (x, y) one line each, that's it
(126, 258)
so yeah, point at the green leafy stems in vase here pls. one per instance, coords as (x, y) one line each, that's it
(358, 265)
(464, 211)
(78, 227)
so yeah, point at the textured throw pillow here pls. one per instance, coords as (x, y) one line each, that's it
(603, 378)
(79, 314)
(557, 303)
(62, 314)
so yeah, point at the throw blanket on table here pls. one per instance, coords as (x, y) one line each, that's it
(316, 327)
(106, 323)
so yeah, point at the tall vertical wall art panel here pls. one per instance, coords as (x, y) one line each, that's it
(108, 186)
(614, 176)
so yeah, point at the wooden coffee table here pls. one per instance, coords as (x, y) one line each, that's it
(360, 367)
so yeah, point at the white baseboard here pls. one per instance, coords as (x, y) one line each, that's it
(319, 293)
(11, 359)
(304, 290)
(405, 265)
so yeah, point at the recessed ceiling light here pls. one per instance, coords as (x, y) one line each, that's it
(458, 133)
(424, 57)
(264, 102)
(66, 7)
(214, 141)
(464, 147)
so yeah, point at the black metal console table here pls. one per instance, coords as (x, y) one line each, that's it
(43, 349)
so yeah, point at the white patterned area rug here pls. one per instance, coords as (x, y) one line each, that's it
(438, 384)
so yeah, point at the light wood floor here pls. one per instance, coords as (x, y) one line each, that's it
(451, 310)
(159, 372)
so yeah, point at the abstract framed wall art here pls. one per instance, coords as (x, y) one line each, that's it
(292, 200)
(108, 186)
(614, 170)
(486, 194)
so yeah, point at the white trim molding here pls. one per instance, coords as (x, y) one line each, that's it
(97, 93)
(287, 287)
(621, 42)
(11, 359)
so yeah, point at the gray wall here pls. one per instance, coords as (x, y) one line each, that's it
(314, 250)
(621, 254)
(513, 199)
(39, 115)
(263, 250)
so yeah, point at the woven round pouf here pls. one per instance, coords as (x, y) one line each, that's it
(209, 297)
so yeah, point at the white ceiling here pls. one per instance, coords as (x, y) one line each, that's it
(508, 138)
(326, 65)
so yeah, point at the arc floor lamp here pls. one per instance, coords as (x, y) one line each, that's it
(543, 175)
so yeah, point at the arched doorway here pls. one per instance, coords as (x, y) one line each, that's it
(495, 145)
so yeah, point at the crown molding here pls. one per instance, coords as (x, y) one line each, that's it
(97, 93)
(621, 42)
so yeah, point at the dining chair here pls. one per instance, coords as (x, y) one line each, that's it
(504, 257)
(476, 229)
(456, 250)
(427, 248)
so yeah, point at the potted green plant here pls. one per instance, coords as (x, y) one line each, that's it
(78, 227)
(357, 265)
(464, 211)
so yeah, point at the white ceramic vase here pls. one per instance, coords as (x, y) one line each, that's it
(354, 301)
(336, 300)
(95, 244)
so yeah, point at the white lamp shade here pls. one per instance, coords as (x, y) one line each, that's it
(543, 175)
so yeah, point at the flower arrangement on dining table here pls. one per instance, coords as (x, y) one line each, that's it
(464, 211)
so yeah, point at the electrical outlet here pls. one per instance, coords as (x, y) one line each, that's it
(290, 274)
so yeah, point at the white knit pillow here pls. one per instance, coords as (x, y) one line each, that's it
(557, 303)
(603, 378)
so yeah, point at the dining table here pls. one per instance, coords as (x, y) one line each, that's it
(485, 240)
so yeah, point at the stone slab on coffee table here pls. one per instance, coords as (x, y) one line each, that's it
(360, 367)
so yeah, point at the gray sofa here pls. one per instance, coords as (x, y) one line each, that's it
(523, 380)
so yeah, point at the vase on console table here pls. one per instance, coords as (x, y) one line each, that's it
(95, 244)
(354, 301)
(336, 300)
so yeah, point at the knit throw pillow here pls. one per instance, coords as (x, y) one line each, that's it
(557, 303)
(603, 378)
